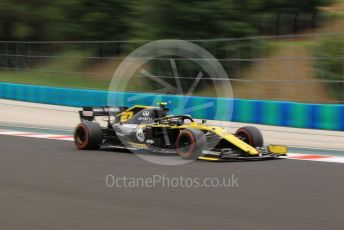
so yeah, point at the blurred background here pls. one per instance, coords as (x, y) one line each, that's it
(271, 49)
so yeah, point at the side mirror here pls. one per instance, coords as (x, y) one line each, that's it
(204, 121)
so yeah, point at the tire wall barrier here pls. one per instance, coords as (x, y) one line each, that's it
(279, 113)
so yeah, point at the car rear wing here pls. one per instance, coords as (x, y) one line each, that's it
(89, 113)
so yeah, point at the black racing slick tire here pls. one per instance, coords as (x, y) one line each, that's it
(190, 143)
(88, 136)
(251, 135)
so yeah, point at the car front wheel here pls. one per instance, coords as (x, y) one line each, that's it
(190, 143)
(251, 135)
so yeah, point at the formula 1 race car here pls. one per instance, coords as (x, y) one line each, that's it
(152, 129)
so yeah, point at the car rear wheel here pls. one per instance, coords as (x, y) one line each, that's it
(190, 143)
(88, 136)
(251, 135)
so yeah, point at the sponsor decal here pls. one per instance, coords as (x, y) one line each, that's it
(145, 116)
(140, 135)
(149, 141)
(87, 113)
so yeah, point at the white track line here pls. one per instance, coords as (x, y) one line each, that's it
(293, 156)
(37, 135)
(316, 157)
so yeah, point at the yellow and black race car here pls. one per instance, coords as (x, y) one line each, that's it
(152, 129)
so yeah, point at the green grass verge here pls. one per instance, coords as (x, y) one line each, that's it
(53, 79)
(65, 70)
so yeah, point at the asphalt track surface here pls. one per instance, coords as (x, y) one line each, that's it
(48, 184)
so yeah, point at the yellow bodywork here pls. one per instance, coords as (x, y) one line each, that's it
(126, 115)
(209, 158)
(219, 131)
(278, 149)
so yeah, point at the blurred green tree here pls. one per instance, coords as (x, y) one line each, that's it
(94, 20)
(197, 19)
(149, 19)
